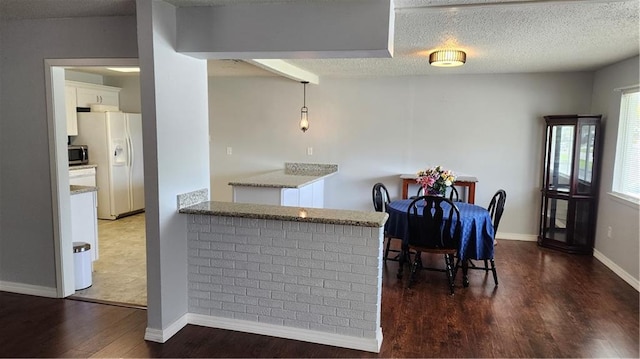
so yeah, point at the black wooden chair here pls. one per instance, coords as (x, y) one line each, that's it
(437, 231)
(381, 199)
(496, 208)
(420, 193)
(453, 195)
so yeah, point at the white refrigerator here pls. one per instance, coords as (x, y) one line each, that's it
(114, 140)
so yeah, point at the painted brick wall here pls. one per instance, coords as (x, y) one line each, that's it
(318, 277)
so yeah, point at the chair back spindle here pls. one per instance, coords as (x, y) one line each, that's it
(433, 229)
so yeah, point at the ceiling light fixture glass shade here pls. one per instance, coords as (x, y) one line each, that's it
(124, 69)
(447, 58)
(304, 112)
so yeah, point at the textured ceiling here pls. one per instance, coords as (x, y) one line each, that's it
(499, 36)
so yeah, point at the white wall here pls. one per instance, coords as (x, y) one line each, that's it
(26, 219)
(624, 245)
(83, 77)
(489, 126)
(176, 152)
(129, 93)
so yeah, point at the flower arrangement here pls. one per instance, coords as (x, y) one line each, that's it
(435, 180)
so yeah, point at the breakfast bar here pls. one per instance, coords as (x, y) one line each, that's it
(298, 184)
(308, 274)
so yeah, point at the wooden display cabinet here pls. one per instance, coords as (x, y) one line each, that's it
(570, 183)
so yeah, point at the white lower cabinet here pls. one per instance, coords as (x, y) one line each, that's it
(84, 220)
(82, 176)
(309, 196)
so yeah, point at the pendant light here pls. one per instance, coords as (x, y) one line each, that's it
(304, 112)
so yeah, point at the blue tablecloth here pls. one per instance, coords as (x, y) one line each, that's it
(477, 230)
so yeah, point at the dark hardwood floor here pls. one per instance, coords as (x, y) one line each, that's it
(548, 304)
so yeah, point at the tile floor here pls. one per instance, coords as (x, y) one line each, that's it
(119, 275)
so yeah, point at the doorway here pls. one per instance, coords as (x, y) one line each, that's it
(124, 239)
(119, 275)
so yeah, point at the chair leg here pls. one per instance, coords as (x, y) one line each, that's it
(386, 251)
(401, 261)
(414, 268)
(493, 269)
(405, 256)
(449, 263)
(486, 266)
(456, 267)
(465, 273)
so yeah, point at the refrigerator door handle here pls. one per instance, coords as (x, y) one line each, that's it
(129, 145)
(130, 150)
(130, 160)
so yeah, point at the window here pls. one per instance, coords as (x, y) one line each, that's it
(626, 173)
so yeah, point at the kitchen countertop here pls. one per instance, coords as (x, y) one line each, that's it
(75, 189)
(283, 213)
(294, 175)
(81, 167)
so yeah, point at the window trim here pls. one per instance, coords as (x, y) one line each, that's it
(631, 201)
(626, 200)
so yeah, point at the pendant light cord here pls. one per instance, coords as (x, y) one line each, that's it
(304, 93)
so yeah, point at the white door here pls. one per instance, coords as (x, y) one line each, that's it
(136, 177)
(119, 163)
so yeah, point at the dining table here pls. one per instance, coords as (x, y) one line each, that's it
(477, 233)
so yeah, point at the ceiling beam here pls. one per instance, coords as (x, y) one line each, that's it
(290, 30)
(285, 69)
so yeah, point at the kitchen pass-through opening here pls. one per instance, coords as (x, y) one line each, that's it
(119, 271)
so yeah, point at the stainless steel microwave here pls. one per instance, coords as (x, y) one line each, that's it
(78, 155)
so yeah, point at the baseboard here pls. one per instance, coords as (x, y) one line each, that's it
(517, 237)
(365, 344)
(617, 269)
(162, 335)
(28, 289)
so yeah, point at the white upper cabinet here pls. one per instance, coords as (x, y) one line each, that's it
(90, 94)
(81, 94)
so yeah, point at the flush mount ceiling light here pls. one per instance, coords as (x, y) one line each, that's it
(304, 112)
(447, 58)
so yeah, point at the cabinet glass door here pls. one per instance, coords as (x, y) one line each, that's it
(586, 158)
(561, 158)
(555, 226)
(581, 220)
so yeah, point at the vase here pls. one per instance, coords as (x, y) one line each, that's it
(435, 192)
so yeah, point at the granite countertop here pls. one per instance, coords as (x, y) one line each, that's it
(310, 215)
(81, 167)
(75, 189)
(294, 175)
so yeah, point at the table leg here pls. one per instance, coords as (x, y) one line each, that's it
(472, 192)
(405, 187)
